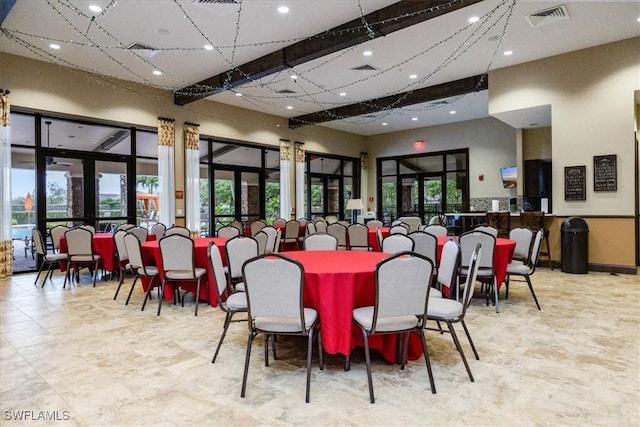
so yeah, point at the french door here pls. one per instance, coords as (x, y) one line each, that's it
(238, 193)
(421, 195)
(78, 188)
(327, 195)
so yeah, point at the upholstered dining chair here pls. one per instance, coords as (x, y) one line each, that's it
(395, 243)
(338, 231)
(138, 267)
(272, 235)
(523, 237)
(501, 221)
(535, 221)
(80, 252)
(239, 249)
(176, 229)
(448, 269)
(125, 227)
(358, 237)
(56, 233)
(436, 230)
(140, 232)
(237, 224)
(321, 225)
(402, 286)
(275, 287)
(320, 242)
(122, 258)
(487, 229)
(486, 271)
(48, 259)
(178, 264)
(228, 301)
(310, 228)
(526, 270)
(262, 239)
(91, 228)
(256, 226)
(399, 229)
(279, 222)
(228, 232)
(158, 230)
(374, 223)
(291, 231)
(425, 244)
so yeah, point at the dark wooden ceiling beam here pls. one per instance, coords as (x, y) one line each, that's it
(392, 18)
(417, 96)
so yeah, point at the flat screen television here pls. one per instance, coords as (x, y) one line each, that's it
(509, 176)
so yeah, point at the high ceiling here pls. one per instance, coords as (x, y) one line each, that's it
(443, 48)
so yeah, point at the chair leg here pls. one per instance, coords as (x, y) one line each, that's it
(309, 351)
(506, 283)
(320, 352)
(427, 361)
(67, 275)
(459, 348)
(95, 274)
(119, 284)
(473, 347)
(227, 321)
(347, 363)
(197, 295)
(148, 294)
(39, 270)
(367, 358)
(532, 292)
(49, 274)
(161, 296)
(246, 364)
(548, 251)
(266, 349)
(131, 290)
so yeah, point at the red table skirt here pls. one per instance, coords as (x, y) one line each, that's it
(151, 256)
(336, 282)
(373, 238)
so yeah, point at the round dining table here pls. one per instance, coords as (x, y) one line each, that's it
(151, 255)
(336, 282)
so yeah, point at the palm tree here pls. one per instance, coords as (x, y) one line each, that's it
(149, 182)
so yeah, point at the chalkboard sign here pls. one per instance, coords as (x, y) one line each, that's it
(574, 182)
(605, 174)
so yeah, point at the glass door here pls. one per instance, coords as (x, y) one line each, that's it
(432, 191)
(237, 194)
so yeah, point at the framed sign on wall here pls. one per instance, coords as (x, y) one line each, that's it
(575, 183)
(605, 173)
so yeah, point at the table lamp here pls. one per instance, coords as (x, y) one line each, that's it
(355, 205)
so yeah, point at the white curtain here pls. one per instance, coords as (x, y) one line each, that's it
(192, 169)
(364, 180)
(166, 171)
(285, 179)
(300, 180)
(6, 256)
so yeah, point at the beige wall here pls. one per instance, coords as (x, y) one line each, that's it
(536, 143)
(591, 93)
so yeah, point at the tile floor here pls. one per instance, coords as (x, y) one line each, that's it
(77, 355)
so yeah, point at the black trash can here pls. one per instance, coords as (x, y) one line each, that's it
(575, 245)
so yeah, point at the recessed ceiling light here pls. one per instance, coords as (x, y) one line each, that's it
(293, 76)
(367, 53)
(238, 94)
(289, 107)
(384, 124)
(208, 47)
(508, 52)
(452, 112)
(343, 93)
(415, 119)
(638, 19)
(95, 8)
(413, 76)
(473, 19)
(54, 46)
(157, 72)
(283, 9)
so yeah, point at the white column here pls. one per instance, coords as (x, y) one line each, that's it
(300, 165)
(364, 182)
(166, 171)
(285, 179)
(6, 259)
(192, 172)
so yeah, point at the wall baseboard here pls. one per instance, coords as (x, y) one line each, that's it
(603, 268)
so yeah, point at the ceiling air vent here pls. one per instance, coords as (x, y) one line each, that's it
(285, 91)
(548, 16)
(215, 1)
(365, 67)
(142, 48)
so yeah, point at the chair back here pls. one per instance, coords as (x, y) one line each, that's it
(412, 222)
(402, 286)
(177, 252)
(535, 250)
(487, 229)
(272, 234)
(468, 243)
(501, 221)
(56, 233)
(274, 286)
(310, 228)
(158, 230)
(399, 229)
(38, 242)
(379, 237)
(321, 226)
(358, 237)
(124, 227)
(279, 221)
(276, 247)
(291, 231)
(302, 220)
(256, 226)
(121, 249)
(331, 219)
(469, 286)
(320, 242)
(240, 249)
(532, 220)
(374, 223)
(91, 228)
(176, 229)
(140, 232)
(395, 243)
(262, 238)
(523, 237)
(425, 244)
(449, 263)
(338, 231)
(237, 224)
(436, 230)
(133, 250)
(228, 232)
(79, 241)
(437, 220)
(215, 258)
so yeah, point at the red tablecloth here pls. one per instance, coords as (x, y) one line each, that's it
(104, 246)
(373, 238)
(151, 256)
(501, 257)
(336, 282)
